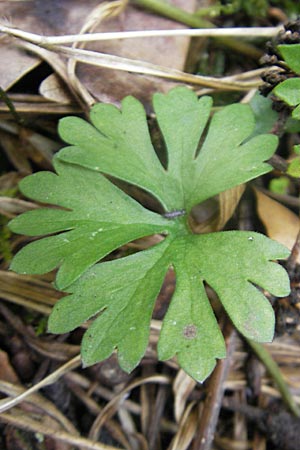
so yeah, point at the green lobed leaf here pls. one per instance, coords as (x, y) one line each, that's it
(122, 136)
(117, 137)
(233, 278)
(279, 185)
(265, 116)
(294, 168)
(124, 291)
(289, 91)
(190, 330)
(92, 217)
(296, 113)
(291, 55)
(99, 219)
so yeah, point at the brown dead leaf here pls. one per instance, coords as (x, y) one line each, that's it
(111, 86)
(54, 90)
(28, 291)
(7, 372)
(213, 214)
(15, 63)
(37, 17)
(68, 17)
(228, 201)
(280, 222)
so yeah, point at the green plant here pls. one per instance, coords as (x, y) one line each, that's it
(95, 217)
(289, 90)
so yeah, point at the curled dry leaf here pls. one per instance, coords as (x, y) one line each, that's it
(281, 223)
(182, 387)
(213, 214)
(54, 90)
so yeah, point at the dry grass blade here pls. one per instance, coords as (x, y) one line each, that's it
(28, 291)
(36, 107)
(230, 444)
(98, 14)
(187, 428)
(60, 68)
(34, 425)
(74, 383)
(145, 68)
(253, 32)
(41, 403)
(129, 65)
(227, 204)
(275, 372)
(103, 392)
(112, 406)
(53, 350)
(50, 379)
(182, 387)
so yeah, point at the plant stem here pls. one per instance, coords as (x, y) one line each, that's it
(5, 98)
(274, 371)
(172, 12)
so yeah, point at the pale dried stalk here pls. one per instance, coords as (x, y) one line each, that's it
(18, 300)
(26, 423)
(186, 429)
(103, 392)
(182, 387)
(40, 402)
(50, 379)
(129, 65)
(255, 32)
(100, 13)
(40, 108)
(145, 68)
(110, 408)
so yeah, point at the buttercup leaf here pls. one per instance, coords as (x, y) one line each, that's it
(90, 217)
(291, 55)
(129, 287)
(182, 119)
(99, 219)
(289, 90)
